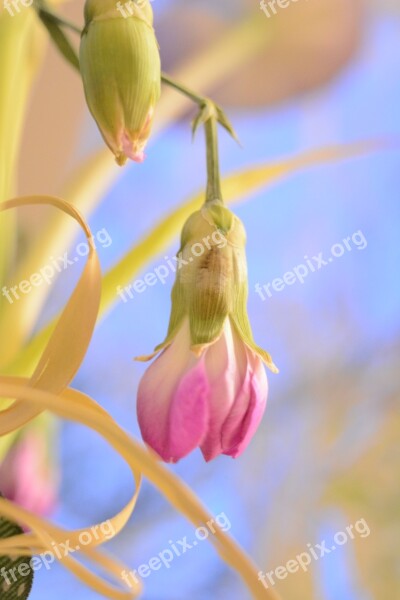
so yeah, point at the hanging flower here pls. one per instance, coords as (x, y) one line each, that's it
(208, 388)
(121, 72)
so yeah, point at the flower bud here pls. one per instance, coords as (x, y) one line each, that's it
(211, 283)
(121, 72)
(208, 388)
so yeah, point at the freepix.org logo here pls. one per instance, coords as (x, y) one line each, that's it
(271, 7)
(312, 264)
(164, 270)
(56, 265)
(13, 7)
(60, 551)
(127, 9)
(314, 552)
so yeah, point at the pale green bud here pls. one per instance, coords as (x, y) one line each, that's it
(211, 282)
(121, 72)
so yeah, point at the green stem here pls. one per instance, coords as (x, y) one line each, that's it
(214, 191)
(209, 115)
(47, 12)
(199, 100)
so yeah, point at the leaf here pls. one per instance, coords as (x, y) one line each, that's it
(17, 320)
(226, 124)
(69, 341)
(209, 110)
(58, 36)
(13, 585)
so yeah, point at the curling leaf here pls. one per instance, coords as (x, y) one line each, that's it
(53, 26)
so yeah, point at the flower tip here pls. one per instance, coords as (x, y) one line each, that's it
(198, 349)
(138, 157)
(144, 358)
(120, 159)
(132, 148)
(266, 358)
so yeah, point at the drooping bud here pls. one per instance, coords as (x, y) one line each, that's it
(208, 388)
(121, 72)
(211, 283)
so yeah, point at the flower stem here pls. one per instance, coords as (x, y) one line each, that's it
(199, 100)
(209, 115)
(42, 9)
(214, 191)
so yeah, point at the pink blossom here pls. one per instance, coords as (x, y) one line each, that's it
(214, 401)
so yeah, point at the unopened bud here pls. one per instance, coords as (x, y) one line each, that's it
(121, 72)
(211, 284)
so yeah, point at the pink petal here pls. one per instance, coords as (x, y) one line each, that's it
(189, 414)
(172, 402)
(132, 149)
(173, 431)
(226, 365)
(248, 409)
(138, 156)
(220, 402)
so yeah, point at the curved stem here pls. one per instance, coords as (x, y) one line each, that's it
(209, 115)
(179, 87)
(42, 9)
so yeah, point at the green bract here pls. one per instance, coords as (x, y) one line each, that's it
(121, 72)
(211, 282)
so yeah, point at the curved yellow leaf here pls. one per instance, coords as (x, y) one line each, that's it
(141, 461)
(69, 341)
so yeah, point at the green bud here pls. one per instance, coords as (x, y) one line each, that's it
(121, 72)
(211, 283)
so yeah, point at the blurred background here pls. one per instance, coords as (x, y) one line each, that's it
(327, 453)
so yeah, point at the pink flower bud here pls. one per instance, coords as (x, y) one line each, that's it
(214, 401)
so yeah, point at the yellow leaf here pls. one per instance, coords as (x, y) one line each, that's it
(69, 341)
